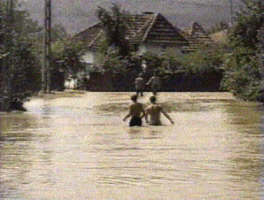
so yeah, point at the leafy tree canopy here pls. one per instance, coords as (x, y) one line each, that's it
(242, 71)
(248, 22)
(115, 23)
(19, 67)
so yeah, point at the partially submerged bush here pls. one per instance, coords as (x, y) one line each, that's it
(242, 74)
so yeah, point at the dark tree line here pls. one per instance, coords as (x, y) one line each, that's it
(115, 23)
(242, 69)
(20, 74)
(21, 55)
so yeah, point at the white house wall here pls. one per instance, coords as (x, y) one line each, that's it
(89, 57)
(142, 49)
(158, 50)
(92, 58)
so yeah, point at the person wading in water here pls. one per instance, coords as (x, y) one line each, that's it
(155, 83)
(154, 111)
(139, 84)
(136, 112)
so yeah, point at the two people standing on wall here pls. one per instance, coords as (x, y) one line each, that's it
(154, 83)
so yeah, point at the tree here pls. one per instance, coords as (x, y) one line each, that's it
(115, 24)
(248, 22)
(242, 73)
(67, 58)
(20, 69)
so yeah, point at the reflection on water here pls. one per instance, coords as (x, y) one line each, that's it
(79, 148)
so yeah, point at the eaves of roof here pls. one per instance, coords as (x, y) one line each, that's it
(144, 28)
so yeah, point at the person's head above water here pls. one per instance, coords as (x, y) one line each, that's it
(152, 99)
(134, 98)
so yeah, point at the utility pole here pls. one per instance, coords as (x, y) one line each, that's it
(47, 49)
(231, 12)
(10, 22)
(260, 37)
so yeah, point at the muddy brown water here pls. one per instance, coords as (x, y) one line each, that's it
(79, 148)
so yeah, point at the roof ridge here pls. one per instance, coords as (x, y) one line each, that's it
(145, 25)
(175, 28)
(97, 36)
(149, 28)
(95, 24)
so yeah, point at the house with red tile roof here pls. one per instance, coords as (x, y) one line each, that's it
(147, 32)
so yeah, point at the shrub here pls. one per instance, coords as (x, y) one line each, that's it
(242, 75)
(242, 72)
(203, 60)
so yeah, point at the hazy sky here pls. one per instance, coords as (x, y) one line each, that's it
(77, 15)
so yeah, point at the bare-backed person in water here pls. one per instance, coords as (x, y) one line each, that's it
(136, 112)
(154, 111)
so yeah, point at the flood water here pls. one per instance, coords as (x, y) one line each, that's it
(79, 148)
